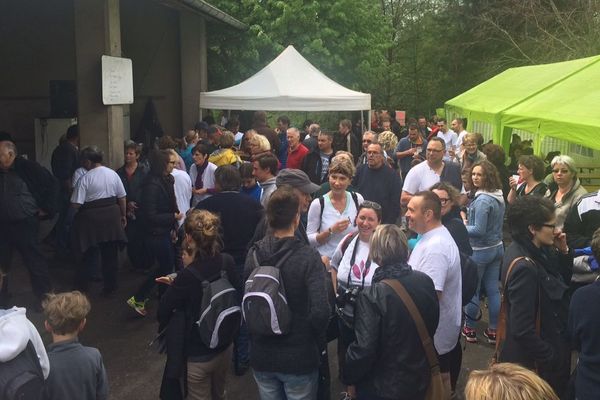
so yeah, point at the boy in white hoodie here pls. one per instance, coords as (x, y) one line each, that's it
(16, 331)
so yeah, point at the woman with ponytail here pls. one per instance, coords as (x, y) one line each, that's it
(180, 307)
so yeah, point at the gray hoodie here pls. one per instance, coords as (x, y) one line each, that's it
(485, 219)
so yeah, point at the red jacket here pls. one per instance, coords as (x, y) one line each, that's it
(296, 157)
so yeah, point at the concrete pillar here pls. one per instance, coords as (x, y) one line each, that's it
(192, 35)
(97, 33)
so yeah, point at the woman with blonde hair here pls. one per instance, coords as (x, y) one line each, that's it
(259, 145)
(470, 153)
(507, 381)
(565, 188)
(180, 307)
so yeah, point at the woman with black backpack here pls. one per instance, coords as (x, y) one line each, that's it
(180, 308)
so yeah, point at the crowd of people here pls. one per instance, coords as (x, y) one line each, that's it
(360, 236)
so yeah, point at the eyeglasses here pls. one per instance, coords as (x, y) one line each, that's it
(370, 204)
(367, 141)
(444, 201)
(552, 226)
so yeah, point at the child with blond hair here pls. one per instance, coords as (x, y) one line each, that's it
(76, 371)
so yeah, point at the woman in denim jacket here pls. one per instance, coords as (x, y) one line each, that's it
(484, 225)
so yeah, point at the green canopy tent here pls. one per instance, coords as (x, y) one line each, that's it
(559, 100)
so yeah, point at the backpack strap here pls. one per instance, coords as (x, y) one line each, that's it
(322, 204)
(430, 351)
(355, 199)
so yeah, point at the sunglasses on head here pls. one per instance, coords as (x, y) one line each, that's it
(370, 204)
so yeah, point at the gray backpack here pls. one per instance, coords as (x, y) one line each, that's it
(265, 305)
(220, 311)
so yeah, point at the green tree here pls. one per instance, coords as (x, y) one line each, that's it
(345, 39)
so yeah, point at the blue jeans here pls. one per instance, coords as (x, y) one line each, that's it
(488, 265)
(277, 386)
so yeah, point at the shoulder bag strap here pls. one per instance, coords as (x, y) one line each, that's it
(419, 323)
(501, 326)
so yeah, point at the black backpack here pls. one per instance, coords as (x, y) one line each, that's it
(22, 378)
(265, 304)
(220, 312)
(470, 278)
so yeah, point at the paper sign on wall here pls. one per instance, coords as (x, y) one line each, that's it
(117, 80)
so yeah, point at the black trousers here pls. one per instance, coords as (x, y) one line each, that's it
(109, 262)
(160, 248)
(136, 250)
(22, 236)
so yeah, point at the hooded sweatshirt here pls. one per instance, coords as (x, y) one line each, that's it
(15, 332)
(304, 279)
(486, 216)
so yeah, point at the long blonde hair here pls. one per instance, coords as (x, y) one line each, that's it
(507, 381)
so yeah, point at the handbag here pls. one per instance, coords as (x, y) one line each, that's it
(501, 325)
(436, 390)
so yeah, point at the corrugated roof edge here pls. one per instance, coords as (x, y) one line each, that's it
(213, 12)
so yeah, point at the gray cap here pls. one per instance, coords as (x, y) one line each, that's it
(296, 179)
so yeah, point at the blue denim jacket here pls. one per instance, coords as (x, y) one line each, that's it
(485, 219)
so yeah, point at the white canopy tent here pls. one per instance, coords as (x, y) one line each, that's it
(288, 83)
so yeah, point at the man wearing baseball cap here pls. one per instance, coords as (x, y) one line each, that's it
(303, 188)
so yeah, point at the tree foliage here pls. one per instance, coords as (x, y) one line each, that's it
(409, 54)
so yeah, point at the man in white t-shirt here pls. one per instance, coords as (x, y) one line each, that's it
(431, 171)
(436, 255)
(458, 126)
(449, 136)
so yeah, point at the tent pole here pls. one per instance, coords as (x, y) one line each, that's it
(369, 120)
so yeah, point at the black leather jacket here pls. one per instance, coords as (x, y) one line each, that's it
(387, 359)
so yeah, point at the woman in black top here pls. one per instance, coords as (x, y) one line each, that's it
(451, 217)
(387, 360)
(537, 286)
(530, 183)
(179, 309)
(158, 217)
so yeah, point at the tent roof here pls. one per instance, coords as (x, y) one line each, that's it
(558, 100)
(567, 110)
(486, 100)
(288, 83)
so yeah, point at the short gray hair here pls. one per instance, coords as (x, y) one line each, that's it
(375, 135)
(294, 130)
(388, 245)
(565, 160)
